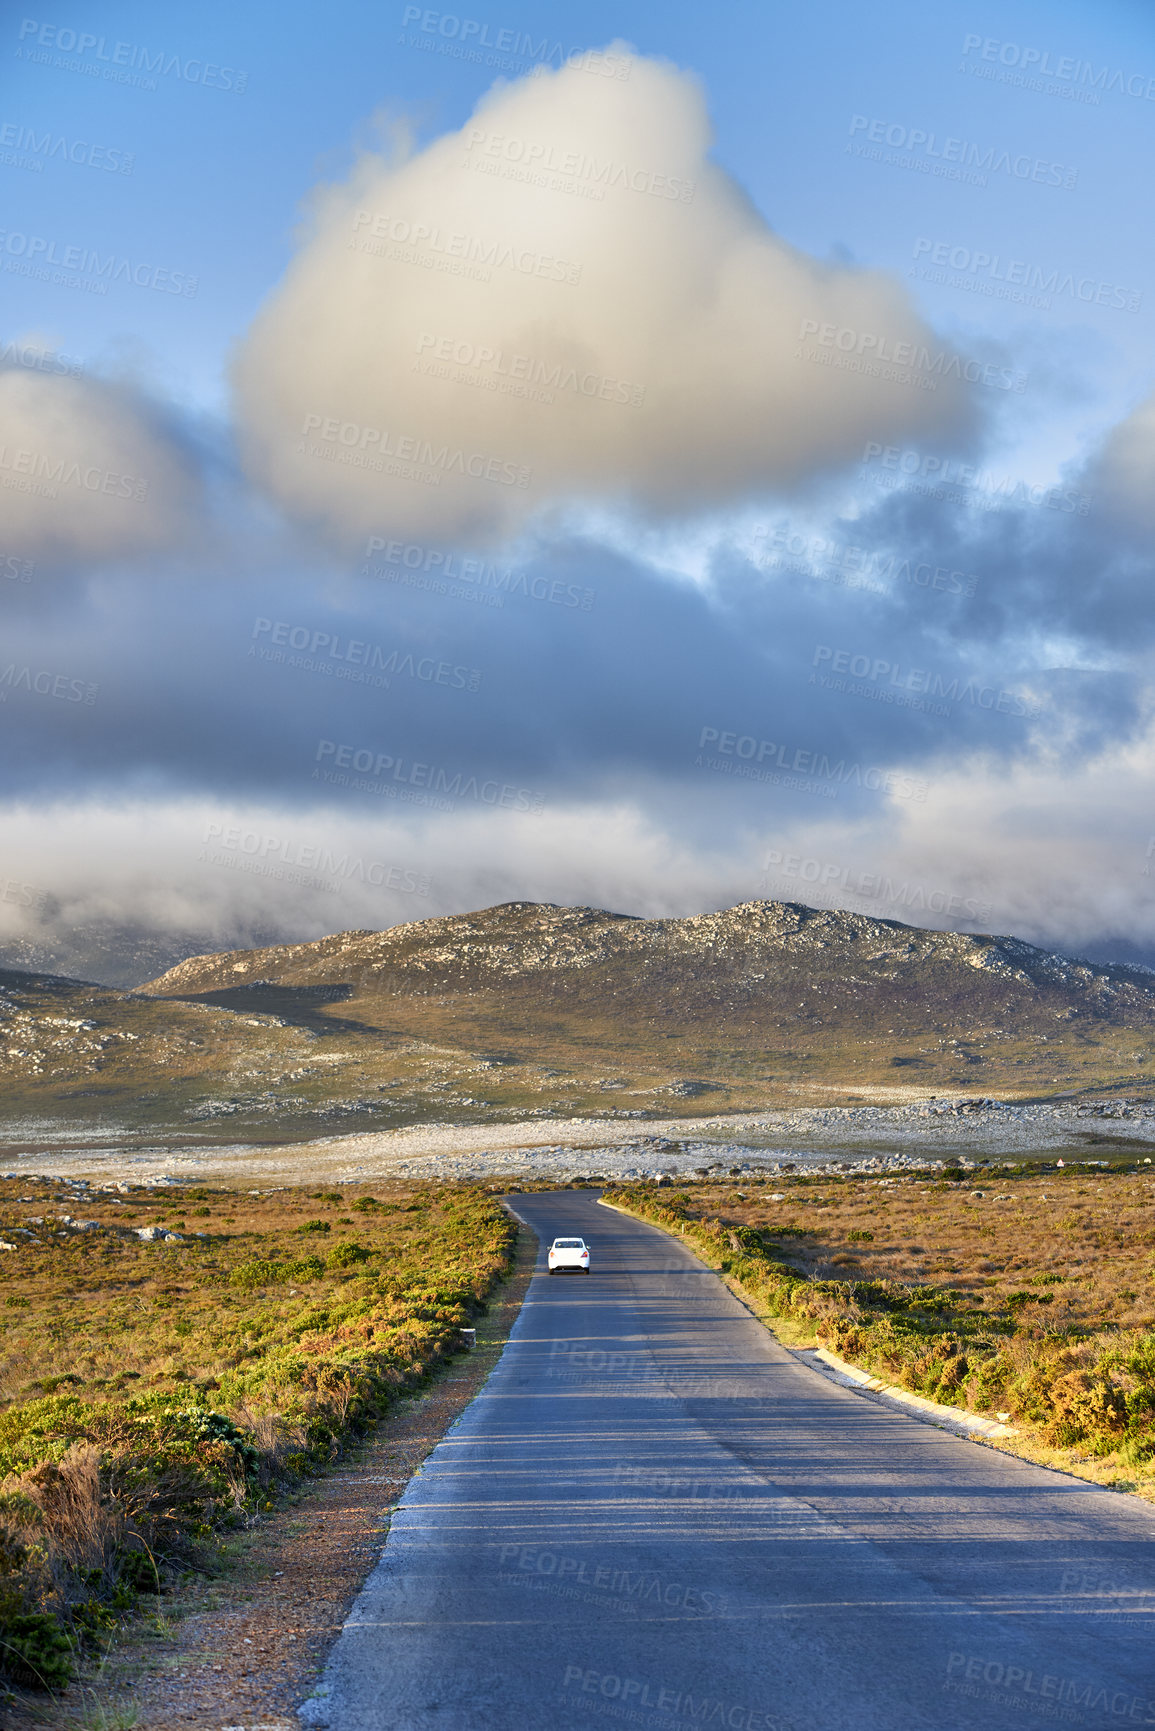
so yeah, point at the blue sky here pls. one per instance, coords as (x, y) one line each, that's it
(774, 555)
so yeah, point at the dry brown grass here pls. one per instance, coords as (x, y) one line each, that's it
(100, 1313)
(1083, 1246)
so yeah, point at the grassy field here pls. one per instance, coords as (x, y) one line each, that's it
(1031, 1293)
(158, 1391)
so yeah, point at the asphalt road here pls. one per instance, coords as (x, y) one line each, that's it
(654, 1516)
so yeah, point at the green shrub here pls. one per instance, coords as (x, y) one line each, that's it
(138, 1570)
(1086, 1405)
(34, 1649)
(309, 1268)
(262, 1271)
(347, 1255)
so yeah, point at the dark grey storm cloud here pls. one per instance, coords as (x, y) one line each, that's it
(594, 667)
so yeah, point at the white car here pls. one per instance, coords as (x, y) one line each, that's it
(569, 1253)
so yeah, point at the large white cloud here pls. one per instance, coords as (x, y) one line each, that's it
(566, 300)
(87, 472)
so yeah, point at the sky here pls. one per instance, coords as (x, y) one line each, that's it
(571, 453)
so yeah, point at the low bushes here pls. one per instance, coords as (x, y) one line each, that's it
(170, 1391)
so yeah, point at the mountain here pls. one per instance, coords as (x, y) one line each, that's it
(112, 951)
(536, 1011)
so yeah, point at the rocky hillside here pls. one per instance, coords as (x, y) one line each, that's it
(530, 1011)
(738, 1003)
(752, 959)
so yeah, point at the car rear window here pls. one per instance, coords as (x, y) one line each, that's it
(569, 1244)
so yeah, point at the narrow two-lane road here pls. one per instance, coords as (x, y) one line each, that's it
(654, 1516)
